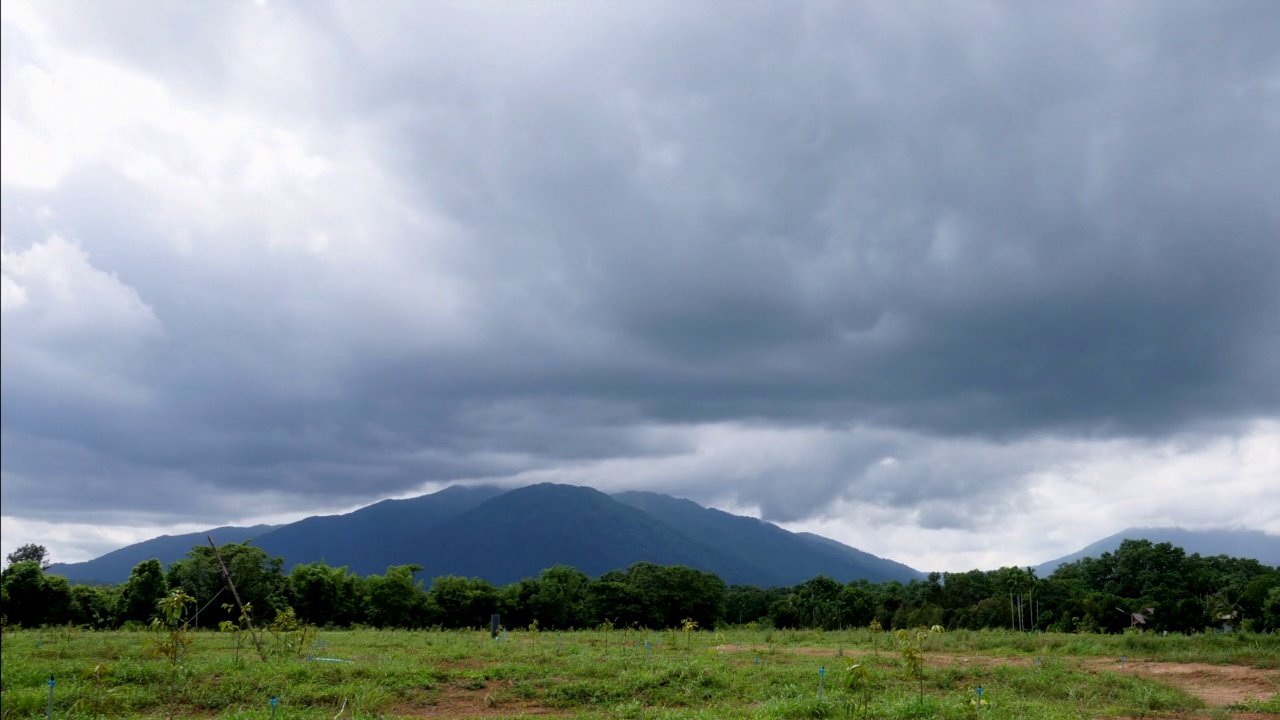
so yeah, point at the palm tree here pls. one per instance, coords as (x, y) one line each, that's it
(1221, 608)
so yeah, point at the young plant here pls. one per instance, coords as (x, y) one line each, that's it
(234, 628)
(911, 646)
(171, 629)
(99, 699)
(873, 632)
(687, 627)
(291, 636)
(605, 628)
(858, 681)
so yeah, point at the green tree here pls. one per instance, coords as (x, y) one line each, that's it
(145, 587)
(30, 552)
(320, 594)
(91, 606)
(1271, 610)
(611, 597)
(857, 608)
(817, 603)
(560, 601)
(24, 589)
(671, 594)
(747, 603)
(57, 600)
(395, 600)
(258, 578)
(462, 603)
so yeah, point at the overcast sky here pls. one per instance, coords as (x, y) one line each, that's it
(960, 284)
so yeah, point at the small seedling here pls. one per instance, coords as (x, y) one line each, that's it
(688, 626)
(911, 648)
(858, 681)
(173, 638)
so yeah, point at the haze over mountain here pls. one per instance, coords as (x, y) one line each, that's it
(503, 536)
(1237, 543)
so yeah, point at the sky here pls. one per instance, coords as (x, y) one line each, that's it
(962, 284)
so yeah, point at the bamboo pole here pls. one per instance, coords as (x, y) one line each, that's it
(252, 633)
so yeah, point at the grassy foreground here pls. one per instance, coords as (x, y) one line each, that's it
(737, 673)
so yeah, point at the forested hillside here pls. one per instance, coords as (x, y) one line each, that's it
(506, 535)
(1168, 589)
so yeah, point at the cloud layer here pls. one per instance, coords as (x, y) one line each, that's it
(889, 266)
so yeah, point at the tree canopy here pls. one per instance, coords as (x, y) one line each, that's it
(1173, 592)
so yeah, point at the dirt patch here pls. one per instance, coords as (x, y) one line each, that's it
(1217, 685)
(487, 702)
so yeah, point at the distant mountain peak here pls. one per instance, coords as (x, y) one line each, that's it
(502, 535)
(1253, 544)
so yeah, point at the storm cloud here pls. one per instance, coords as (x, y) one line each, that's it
(910, 266)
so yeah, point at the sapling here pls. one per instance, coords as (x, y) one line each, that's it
(98, 698)
(873, 633)
(605, 627)
(688, 626)
(911, 648)
(234, 628)
(172, 629)
(290, 635)
(858, 680)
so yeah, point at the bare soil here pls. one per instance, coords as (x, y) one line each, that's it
(1217, 685)
(489, 702)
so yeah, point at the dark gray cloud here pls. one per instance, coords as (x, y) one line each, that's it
(463, 242)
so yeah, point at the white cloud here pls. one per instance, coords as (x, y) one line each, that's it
(55, 281)
(1084, 491)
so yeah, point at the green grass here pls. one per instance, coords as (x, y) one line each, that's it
(597, 674)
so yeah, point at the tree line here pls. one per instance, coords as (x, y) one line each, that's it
(1169, 591)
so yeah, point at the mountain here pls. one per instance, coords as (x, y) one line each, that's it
(520, 533)
(889, 569)
(1237, 543)
(774, 556)
(503, 536)
(370, 539)
(114, 567)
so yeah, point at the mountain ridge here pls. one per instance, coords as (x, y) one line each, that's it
(504, 535)
(114, 566)
(1255, 544)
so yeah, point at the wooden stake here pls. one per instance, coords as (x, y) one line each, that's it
(252, 633)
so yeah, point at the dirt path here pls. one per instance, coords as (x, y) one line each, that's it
(1217, 685)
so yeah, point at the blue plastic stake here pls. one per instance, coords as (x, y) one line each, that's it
(979, 698)
(646, 651)
(274, 702)
(49, 713)
(822, 674)
(757, 661)
(1121, 662)
(1037, 662)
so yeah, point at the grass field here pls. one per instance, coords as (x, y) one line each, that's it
(697, 674)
